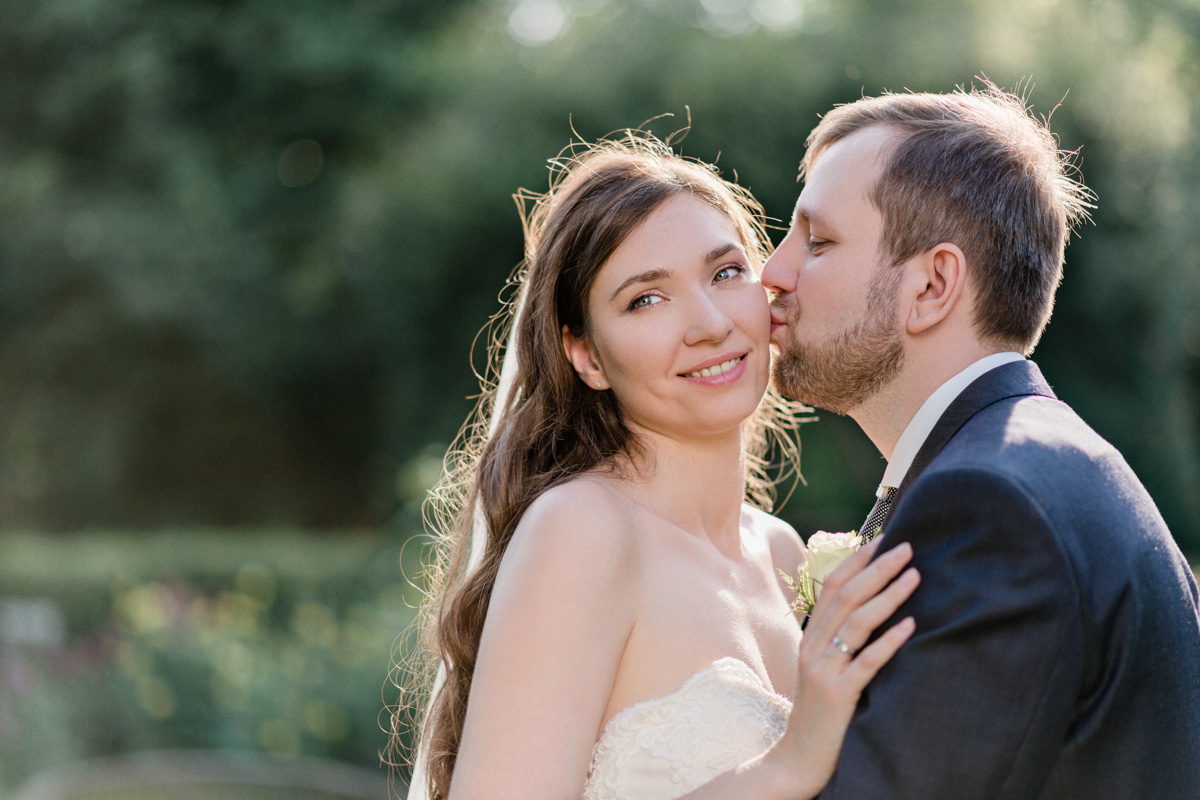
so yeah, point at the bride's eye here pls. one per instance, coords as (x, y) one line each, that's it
(644, 301)
(728, 271)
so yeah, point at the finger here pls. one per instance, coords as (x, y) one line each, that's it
(866, 664)
(870, 579)
(853, 565)
(840, 645)
(839, 600)
(863, 621)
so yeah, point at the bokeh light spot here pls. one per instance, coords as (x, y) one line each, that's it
(778, 15)
(156, 698)
(256, 581)
(279, 738)
(315, 624)
(300, 163)
(537, 22)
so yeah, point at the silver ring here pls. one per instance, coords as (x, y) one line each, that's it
(840, 645)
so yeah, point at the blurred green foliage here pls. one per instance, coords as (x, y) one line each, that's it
(269, 641)
(245, 246)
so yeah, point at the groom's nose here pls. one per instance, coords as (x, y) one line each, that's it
(779, 273)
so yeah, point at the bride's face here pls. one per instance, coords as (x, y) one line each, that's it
(680, 326)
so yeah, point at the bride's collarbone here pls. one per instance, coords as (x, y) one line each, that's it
(673, 559)
(722, 611)
(695, 608)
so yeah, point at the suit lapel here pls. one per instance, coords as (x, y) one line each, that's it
(1018, 379)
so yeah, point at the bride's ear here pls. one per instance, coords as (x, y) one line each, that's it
(583, 358)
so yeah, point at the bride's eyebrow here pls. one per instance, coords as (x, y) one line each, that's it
(722, 250)
(649, 276)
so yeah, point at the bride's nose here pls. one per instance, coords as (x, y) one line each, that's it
(707, 322)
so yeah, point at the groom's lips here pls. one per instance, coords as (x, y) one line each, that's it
(776, 323)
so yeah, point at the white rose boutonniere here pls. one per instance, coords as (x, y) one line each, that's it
(826, 552)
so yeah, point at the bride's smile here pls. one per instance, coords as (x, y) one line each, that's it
(612, 607)
(716, 371)
(627, 565)
(679, 323)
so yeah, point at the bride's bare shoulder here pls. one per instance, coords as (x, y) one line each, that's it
(582, 521)
(787, 548)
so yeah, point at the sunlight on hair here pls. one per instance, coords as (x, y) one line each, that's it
(500, 461)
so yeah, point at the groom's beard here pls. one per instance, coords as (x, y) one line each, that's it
(842, 373)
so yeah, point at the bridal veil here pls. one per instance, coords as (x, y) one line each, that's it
(418, 788)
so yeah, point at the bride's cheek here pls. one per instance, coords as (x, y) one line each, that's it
(755, 312)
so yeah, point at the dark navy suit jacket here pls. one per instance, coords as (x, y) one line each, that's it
(1057, 649)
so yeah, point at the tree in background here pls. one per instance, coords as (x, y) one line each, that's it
(245, 246)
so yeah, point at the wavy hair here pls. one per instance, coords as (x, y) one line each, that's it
(552, 426)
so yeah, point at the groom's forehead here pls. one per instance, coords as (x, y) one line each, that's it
(861, 155)
(849, 177)
(821, 205)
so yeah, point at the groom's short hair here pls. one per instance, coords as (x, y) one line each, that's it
(978, 170)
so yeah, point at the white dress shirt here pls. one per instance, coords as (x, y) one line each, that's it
(931, 411)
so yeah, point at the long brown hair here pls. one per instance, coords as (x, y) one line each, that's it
(552, 426)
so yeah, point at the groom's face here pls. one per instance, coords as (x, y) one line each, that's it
(834, 315)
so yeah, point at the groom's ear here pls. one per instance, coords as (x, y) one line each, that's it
(935, 285)
(583, 358)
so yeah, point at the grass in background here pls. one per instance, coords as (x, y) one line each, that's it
(269, 643)
(273, 642)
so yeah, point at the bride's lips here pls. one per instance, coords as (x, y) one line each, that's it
(732, 364)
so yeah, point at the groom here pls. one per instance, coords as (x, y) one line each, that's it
(1057, 651)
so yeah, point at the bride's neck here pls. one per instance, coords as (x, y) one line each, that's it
(697, 485)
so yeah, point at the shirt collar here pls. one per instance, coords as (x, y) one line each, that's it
(931, 411)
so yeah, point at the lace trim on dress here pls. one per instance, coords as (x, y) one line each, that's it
(667, 746)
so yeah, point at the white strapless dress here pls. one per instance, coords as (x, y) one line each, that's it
(663, 748)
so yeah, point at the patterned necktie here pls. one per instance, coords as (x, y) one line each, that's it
(879, 514)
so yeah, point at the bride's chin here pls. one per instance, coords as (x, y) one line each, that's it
(734, 419)
(713, 416)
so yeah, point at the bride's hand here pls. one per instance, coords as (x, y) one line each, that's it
(836, 663)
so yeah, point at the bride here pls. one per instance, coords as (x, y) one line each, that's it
(621, 629)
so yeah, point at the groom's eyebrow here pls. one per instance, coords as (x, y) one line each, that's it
(649, 276)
